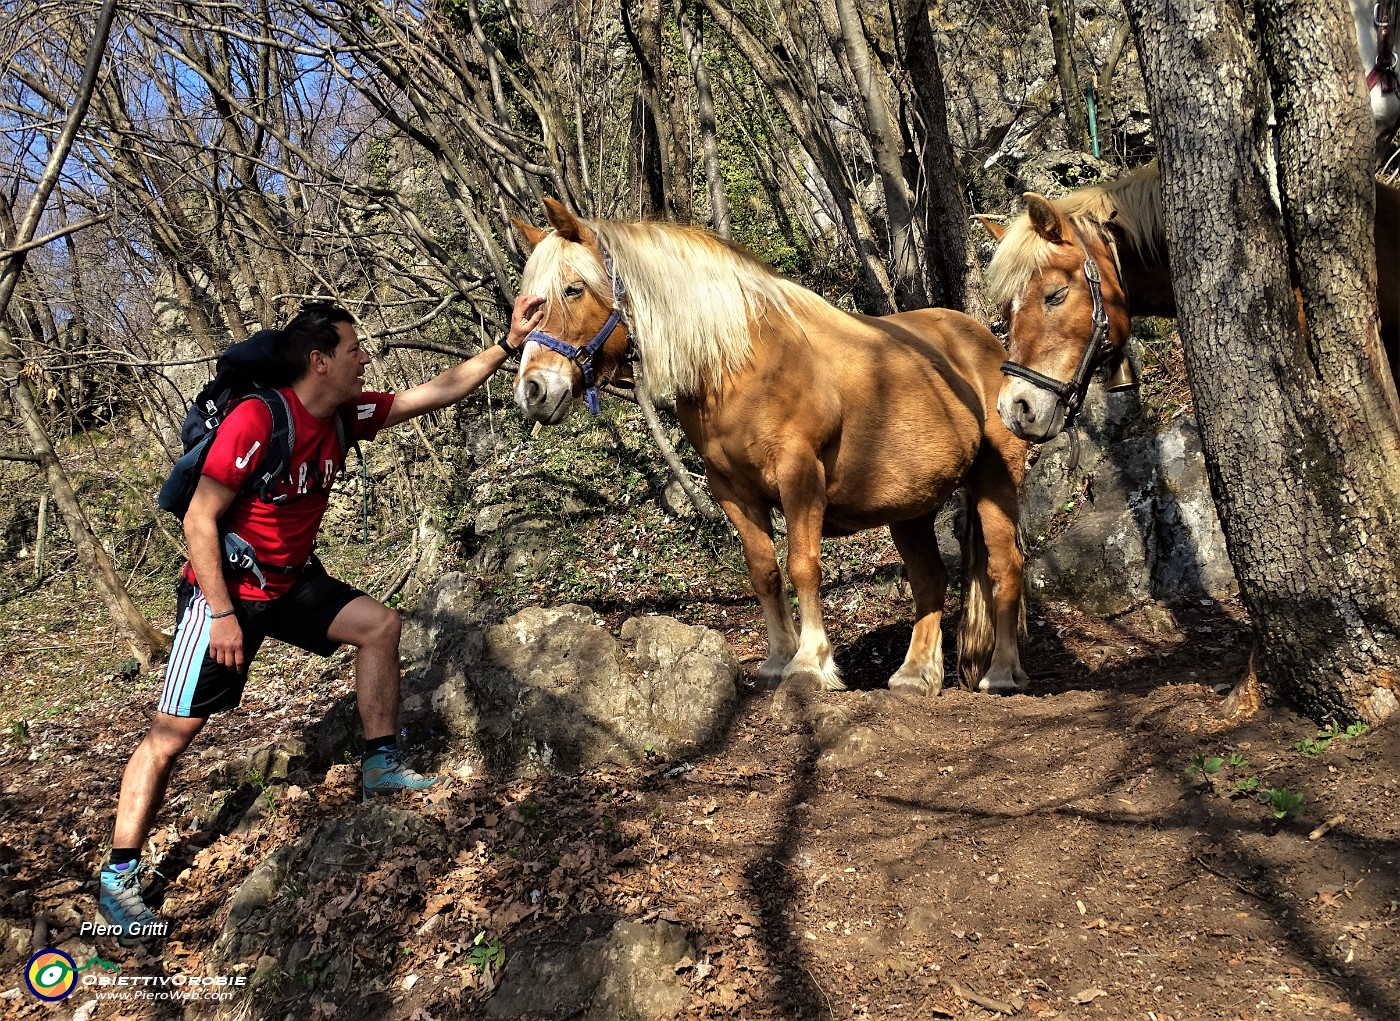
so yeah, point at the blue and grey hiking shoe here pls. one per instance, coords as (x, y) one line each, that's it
(385, 772)
(120, 904)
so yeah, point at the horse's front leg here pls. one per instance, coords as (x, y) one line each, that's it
(922, 671)
(755, 528)
(802, 489)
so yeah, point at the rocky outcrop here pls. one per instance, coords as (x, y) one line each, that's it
(550, 689)
(1129, 518)
(628, 973)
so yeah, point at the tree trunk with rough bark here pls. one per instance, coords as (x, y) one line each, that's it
(1301, 442)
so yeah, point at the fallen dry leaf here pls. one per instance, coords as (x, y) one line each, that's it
(1087, 995)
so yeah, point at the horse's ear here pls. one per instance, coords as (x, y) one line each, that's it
(532, 234)
(565, 222)
(1044, 219)
(995, 229)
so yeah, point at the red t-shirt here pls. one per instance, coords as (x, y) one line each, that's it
(283, 533)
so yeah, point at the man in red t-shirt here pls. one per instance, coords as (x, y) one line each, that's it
(223, 616)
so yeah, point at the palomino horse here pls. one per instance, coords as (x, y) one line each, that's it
(842, 422)
(1069, 274)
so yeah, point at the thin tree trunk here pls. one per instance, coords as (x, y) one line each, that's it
(906, 238)
(1303, 455)
(692, 40)
(1103, 86)
(1062, 39)
(953, 278)
(818, 145)
(147, 644)
(653, 122)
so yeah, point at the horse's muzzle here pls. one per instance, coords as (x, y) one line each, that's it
(544, 396)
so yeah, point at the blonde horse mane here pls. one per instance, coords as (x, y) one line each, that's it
(692, 299)
(1132, 202)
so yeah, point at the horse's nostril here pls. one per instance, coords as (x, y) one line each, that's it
(1022, 408)
(533, 392)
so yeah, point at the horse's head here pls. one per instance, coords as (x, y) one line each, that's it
(1063, 303)
(582, 341)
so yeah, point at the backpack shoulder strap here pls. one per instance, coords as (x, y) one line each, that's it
(343, 437)
(277, 459)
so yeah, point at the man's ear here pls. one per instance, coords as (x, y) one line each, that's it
(531, 234)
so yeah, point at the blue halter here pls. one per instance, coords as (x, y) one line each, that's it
(583, 356)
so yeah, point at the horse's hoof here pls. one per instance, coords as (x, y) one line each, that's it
(826, 677)
(767, 680)
(801, 682)
(1001, 686)
(915, 684)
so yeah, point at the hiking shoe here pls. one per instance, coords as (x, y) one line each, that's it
(120, 903)
(385, 772)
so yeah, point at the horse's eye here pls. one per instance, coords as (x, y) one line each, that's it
(1057, 297)
(573, 290)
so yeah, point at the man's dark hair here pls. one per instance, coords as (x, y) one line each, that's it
(312, 330)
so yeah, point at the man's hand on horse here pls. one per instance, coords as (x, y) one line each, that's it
(524, 318)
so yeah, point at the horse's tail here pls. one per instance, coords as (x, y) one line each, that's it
(977, 628)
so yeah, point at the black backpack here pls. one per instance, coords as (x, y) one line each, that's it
(248, 370)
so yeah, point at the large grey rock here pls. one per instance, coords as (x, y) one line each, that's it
(551, 689)
(629, 973)
(1132, 520)
(639, 972)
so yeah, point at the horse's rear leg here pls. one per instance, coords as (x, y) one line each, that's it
(755, 528)
(922, 671)
(994, 575)
(802, 488)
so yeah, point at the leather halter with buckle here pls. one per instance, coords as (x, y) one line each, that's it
(583, 356)
(1071, 394)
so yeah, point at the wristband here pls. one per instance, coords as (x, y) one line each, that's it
(511, 352)
(224, 613)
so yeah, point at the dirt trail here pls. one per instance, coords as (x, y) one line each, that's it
(859, 855)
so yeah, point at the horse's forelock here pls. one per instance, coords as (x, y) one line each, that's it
(554, 264)
(1020, 255)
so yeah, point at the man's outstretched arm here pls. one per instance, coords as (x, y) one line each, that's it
(457, 382)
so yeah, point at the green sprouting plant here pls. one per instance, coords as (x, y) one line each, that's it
(1245, 785)
(1203, 765)
(19, 732)
(1237, 761)
(486, 954)
(1284, 803)
(1311, 748)
(530, 811)
(266, 793)
(311, 972)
